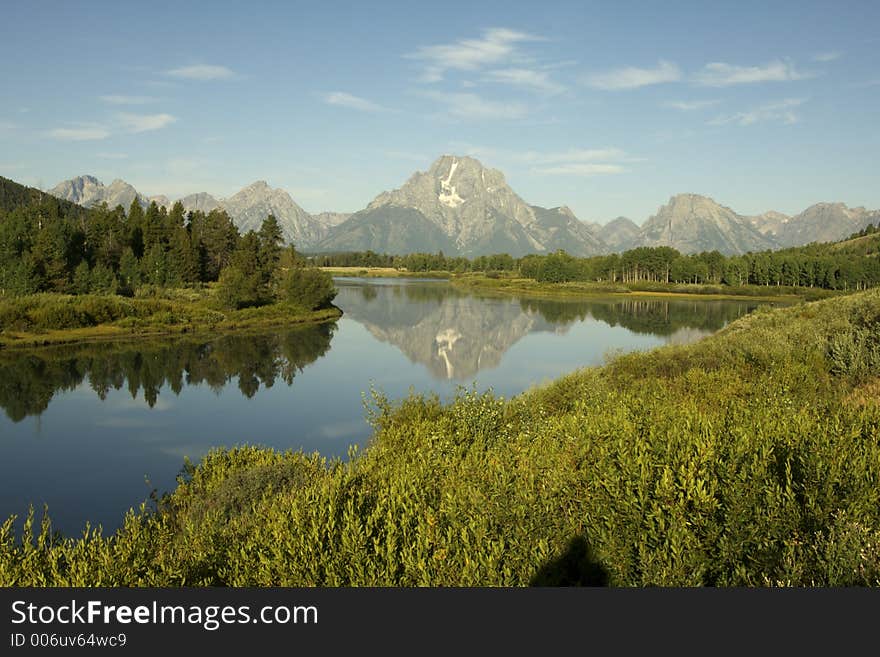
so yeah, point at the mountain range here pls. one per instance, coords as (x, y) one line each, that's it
(460, 207)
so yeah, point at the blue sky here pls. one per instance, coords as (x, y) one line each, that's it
(607, 107)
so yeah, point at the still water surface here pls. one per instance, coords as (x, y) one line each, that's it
(91, 429)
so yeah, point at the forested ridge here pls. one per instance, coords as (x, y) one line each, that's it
(81, 260)
(849, 265)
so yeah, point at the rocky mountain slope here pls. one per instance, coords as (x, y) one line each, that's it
(89, 191)
(825, 222)
(693, 223)
(201, 202)
(473, 207)
(619, 234)
(249, 207)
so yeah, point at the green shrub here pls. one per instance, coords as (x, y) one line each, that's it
(237, 290)
(307, 287)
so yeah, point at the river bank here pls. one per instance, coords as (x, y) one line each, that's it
(50, 319)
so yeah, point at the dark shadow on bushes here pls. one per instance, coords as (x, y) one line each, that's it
(575, 567)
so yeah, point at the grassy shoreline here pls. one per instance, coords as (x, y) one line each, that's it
(53, 319)
(527, 286)
(384, 272)
(508, 284)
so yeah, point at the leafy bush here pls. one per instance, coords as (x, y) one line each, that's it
(307, 287)
(236, 289)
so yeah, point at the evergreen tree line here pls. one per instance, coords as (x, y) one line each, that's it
(815, 265)
(52, 246)
(417, 262)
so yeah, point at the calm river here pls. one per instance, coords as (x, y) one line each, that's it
(91, 429)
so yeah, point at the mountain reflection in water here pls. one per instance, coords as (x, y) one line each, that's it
(456, 334)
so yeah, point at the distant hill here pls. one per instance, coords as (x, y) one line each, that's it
(13, 195)
(867, 245)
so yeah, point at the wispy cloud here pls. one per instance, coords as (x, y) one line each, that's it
(828, 56)
(719, 74)
(572, 155)
(633, 78)
(144, 122)
(533, 80)
(201, 72)
(127, 100)
(112, 156)
(498, 44)
(79, 133)
(781, 112)
(690, 105)
(472, 106)
(584, 162)
(583, 169)
(7, 126)
(343, 99)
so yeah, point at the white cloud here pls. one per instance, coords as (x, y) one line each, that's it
(527, 78)
(829, 56)
(112, 156)
(633, 78)
(719, 74)
(471, 106)
(496, 45)
(690, 105)
(584, 169)
(201, 72)
(343, 99)
(781, 112)
(127, 100)
(144, 122)
(80, 133)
